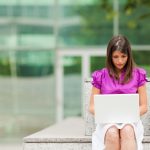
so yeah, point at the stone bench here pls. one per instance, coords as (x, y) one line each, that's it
(74, 133)
(68, 135)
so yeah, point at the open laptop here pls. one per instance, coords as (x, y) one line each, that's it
(116, 108)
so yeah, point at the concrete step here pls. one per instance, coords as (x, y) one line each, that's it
(67, 135)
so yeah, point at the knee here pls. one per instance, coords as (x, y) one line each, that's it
(127, 132)
(112, 135)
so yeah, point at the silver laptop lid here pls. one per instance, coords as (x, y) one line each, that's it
(116, 108)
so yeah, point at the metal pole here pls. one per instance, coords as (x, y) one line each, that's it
(85, 74)
(12, 57)
(58, 68)
(116, 17)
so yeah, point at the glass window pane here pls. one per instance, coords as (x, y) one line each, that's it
(35, 63)
(5, 35)
(72, 86)
(27, 100)
(33, 26)
(36, 11)
(3, 10)
(37, 35)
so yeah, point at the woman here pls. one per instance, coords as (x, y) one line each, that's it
(120, 76)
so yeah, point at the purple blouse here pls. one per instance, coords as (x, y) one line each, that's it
(108, 85)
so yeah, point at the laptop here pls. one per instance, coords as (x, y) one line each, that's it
(116, 108)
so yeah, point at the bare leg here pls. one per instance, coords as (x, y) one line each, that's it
(128, 141)
(112, 139)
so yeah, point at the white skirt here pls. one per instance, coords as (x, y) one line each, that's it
(99, 134)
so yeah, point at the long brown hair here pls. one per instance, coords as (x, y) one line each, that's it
(122, 44)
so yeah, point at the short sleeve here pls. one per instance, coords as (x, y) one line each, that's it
(97, 79)
(141, 77)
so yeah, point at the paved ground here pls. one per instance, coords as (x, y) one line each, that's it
(10, 147)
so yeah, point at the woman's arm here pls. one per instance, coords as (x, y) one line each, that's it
(93, 92)
(143, 99)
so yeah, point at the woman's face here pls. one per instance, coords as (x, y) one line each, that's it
(119, 59)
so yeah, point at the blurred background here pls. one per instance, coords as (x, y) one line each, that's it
(48, 48)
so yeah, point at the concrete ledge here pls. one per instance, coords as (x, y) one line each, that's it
(146, 139)
(58, 146)
(71, 130)
(67, 135)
